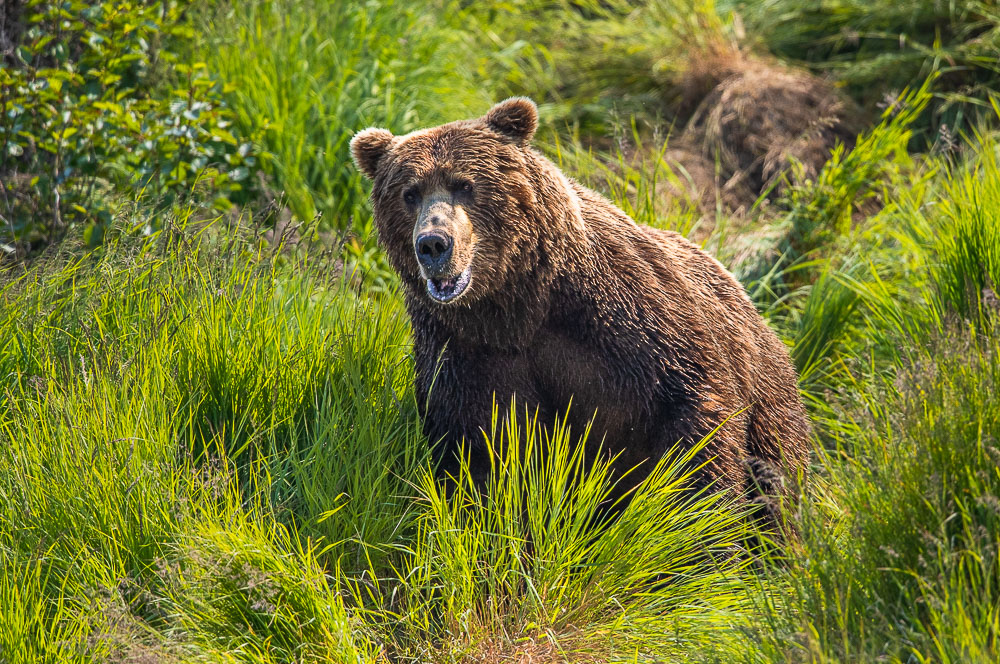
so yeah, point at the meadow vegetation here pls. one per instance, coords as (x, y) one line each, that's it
(209, 441)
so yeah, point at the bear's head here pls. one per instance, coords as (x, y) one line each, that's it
(463, 208)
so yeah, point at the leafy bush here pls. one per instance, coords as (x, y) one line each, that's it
(80, 114)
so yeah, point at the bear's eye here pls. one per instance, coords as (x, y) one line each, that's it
(410, 196)
(464, 186)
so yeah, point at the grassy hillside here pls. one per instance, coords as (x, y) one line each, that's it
(209, 443)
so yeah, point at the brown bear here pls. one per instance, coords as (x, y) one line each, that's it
(520, 283)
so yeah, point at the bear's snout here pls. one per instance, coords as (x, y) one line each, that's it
(434, 251)
(443, 245)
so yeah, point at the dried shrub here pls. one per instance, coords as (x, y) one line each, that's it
(759, 118)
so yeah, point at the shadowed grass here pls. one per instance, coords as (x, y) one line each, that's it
(879, 48)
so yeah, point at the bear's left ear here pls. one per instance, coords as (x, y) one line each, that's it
(516, 118)
(368, 147)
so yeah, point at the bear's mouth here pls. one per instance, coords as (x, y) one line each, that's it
(446, 290)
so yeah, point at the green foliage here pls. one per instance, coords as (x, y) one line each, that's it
(638, 176)
(899, 546)
(279, 450)
(254, 590)
(322, 71)
(79, 113)
(267, 407)
(841, 246)
(967, 271)
(610, 58)
(823, 212)
(35, 627)
(209, 445)
(900, 550)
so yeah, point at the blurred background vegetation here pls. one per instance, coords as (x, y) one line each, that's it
(209, 447)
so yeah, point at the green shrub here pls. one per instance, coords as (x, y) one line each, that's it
(83, 118)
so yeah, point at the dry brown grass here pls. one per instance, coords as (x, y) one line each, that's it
(574, 648)
(751, 125)
(758, 118)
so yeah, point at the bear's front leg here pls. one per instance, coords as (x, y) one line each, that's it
(457, 389)
(681, 422)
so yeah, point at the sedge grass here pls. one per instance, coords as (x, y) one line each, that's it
(533, 565)
(322, 71)
(209, 449)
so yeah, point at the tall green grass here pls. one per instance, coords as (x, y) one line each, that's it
(898, 558)
(639, 176)
(879, 48)
(153, 403)
(899, 549)
(321, 71)
(535, 566)
(612, 60)
(211, 452)
(967, 271)
(210, 449)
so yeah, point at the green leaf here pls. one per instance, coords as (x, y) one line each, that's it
(224, 136)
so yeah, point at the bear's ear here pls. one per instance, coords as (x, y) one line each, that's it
(516, 118)
(368, 147)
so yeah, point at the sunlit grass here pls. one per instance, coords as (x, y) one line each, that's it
(533, 564)
(322, 71)
(210, 448)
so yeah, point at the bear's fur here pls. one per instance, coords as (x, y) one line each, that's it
(570, 299)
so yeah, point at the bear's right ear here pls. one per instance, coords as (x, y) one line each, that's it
(516, 118)
(368, 147)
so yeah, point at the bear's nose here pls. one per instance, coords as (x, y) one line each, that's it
(433, 250)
